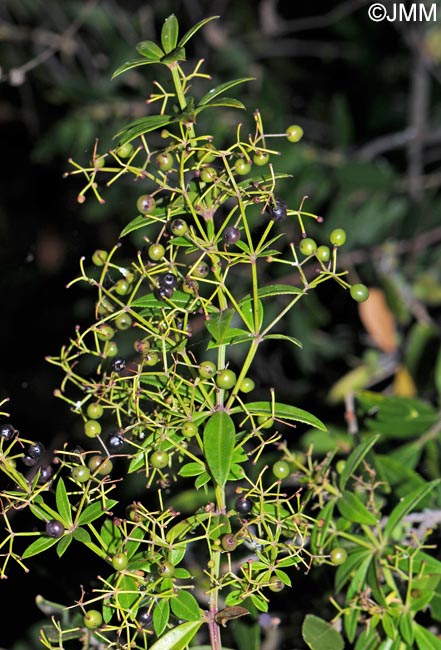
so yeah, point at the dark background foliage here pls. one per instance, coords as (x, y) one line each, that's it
(367, 96)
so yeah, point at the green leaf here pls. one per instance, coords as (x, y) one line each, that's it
(185, 606)
(425, 640)
(176, 55)
(319, 634)
(63, 503)
(161, 614)
(219, 90)
(178, 638)
(129, 65)
(406, 628)
(191, 469)
(39, 546)
(281, 411)
(345, 570)
(353, 509)
(219, 323)
(150, 50)
(278, 290)
(143, 125)
(64, 544)
(91, 513)
(111, 536)
(180, 299)
(139, 222)
(355, 458)
(81, 535)
(219, 438)
(194, 29)
(283, 337)
(247, 313)
(408, 504)
(169, 33)
(228, 102)
(128, 592)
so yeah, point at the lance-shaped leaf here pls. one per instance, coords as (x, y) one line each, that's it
(128, 65)
(352, 508)
(219, 90)
(228, 102)
(150, 50)
(141, 126)
(319, 634)
(219, 437)
(407, 505)
(281, 411)
(63, 503)
(194, 29)
(169, 33)
(178, 638)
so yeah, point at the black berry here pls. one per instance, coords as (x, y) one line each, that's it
(118, 364)
(161, 293)
(231, 235)
(46, 473)
(277, 210)
(115, 442)
(7, 431)
(35, 450)
(243, 505)
(144, 617)
(168, 280)
(54, 528)
(29, 461)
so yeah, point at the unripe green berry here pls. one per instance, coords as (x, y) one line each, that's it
(99, 257)
(307, 246)
(125, 150)
(338, 555)
(338, 237)
(159, 459)
(226, 379)
(94, 411)
(92, 619)
(261, 158)
(145, 204)
(120, 561)
(208, 174)
(294, 133)
(242, 166)
(246, 385)
(92, 428)
(323, 253)
(207, 369)
(164, 161)
(281, 469)
(156, 252)
(359, 292)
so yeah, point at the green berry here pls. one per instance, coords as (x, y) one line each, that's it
(92, 428)
(125, 150)
(208, 174)
(100, 464)
(159, 459)
(122, 287)
(307, 246)
(151, 358)
(178, 227)
(164, 161)
(189, 429)
(99, 257)
(337, 237)
(280, 469)
(226, 379)
(201, 270)
(92, 619)
(166, 569)
(229, 542)
(156, 252)
(246, 385)
(123, 321)
(294, 133)
(190, 286)
(105, 332)
(80, 473)
(110, 350)
(275, 584)
(120, 561)
(265, 421)
(94, 411)
(323, 253)
(207, 369)
(206, 154)
(242, 166)
(145, 204)
(261, 158)
(359, 292)
(338, 555)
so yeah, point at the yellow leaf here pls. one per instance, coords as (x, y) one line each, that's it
(403, 383)
(379, 321)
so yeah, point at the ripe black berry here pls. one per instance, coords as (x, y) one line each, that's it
(7, 431)
(118, 364)
(277, 210)
(167, 280)
(231, 235)
(29, 461)
(54, 528)
(35, 450)
(243, 505)
(115, 442)
(144, 617)
(46, 473)
(161, 293)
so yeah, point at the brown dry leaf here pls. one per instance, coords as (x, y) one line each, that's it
(229, 613)
(379, 321)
